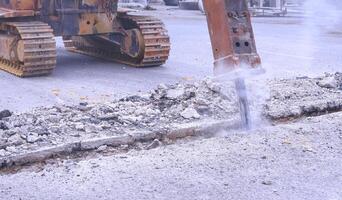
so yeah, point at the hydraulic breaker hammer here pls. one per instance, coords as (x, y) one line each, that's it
(233, 45)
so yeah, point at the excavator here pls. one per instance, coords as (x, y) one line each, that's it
(99, 28)
(92, 27)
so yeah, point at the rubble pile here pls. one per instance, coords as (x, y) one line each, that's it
(331, 81)
(135, 4)
(4, 114)
(338, 78)
(292, 98)
(158, 110)
(161, 110)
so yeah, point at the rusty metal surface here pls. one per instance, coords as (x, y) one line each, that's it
(6, 42)
(151, 34)
(8, 13)
(92, 27)
(19, 5)
(231, 34)
(80, 17)
(66, 17)
(30, 49)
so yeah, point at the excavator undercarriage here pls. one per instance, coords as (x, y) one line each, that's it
(146, 43)
(95, 28)
(27, 48)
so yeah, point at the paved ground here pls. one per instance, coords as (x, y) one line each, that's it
(299, 160)
(287, 47)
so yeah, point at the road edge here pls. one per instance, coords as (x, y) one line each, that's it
(206, 129)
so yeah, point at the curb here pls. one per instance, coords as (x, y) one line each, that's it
(192, 129)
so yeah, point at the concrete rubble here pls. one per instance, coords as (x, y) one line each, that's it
(293, 98)
(137, 4)
(4, 114)
(161, 109)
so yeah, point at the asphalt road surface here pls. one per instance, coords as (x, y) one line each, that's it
(288, 46)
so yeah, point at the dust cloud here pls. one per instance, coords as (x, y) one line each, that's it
(321, 18)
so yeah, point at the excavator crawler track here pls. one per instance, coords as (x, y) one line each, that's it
(38, 49)
(155, 38)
